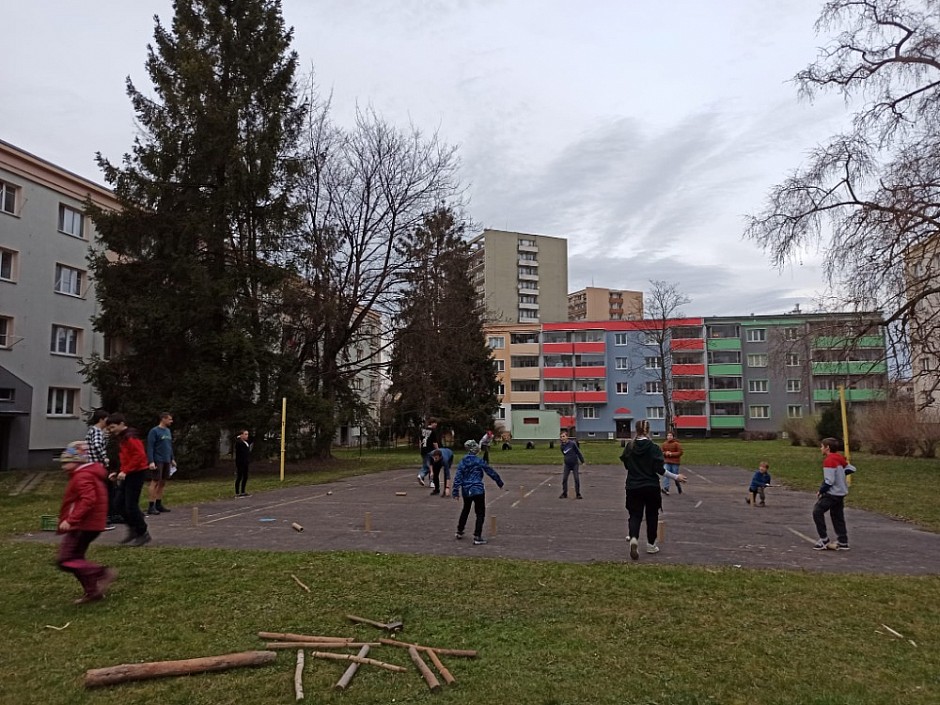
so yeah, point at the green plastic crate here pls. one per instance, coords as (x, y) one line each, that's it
(48, 523)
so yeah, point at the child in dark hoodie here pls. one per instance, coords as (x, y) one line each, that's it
(831, 496)
(644, 462)
(82, 518)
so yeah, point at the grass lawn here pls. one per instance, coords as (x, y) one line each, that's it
(548, 633)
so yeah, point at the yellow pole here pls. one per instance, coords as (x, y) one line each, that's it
(845, 430)
(283, 432)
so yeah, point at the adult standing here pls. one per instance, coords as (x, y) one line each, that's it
(133, 460)
(485, 444)
(644, 462)
(97, 443)
(160, 461)
(430, 441)
(242, 459)
(672, 454)
(572, 456)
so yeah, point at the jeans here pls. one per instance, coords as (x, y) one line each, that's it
(478, 502)
(643, 500)
(241, 478)
(425, 465)
(670, 467)
(569, 469)
(836, 508)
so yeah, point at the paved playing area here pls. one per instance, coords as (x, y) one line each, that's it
(709, 524)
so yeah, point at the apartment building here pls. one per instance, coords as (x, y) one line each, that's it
(922, 275)
(515, 350)
(47, 301)
(520, 278)
(596, 304)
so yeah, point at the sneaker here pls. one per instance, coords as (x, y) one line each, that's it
(761, 505)
(579, 497)
(127, 539)
(821, 545)
(652, 548)
(563, 495)
(634, 549)
(85, 599)
(458, 535)
(163, 509)
(433, 486)
(104, 582)
(141, 540)
(421, 480)
(748, 499)
(842, 546)
(110, 527)
(664, 490)
(678, 487)
(478, 540)
(435, 491)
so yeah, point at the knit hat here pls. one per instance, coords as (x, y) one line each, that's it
(75, 452)
(471, 446)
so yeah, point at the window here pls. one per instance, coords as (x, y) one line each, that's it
(525, 361)
(794, 411)
(7, 394)
(500, 389)
(7, 265)
(621, 363)
(526, 314)
(620, 338)
(794, 385)
(655, 412)
(653, 363)
(651, 338)
(623, 387)
(588, 412)
(71, 221)
(759, 411)
(525, 385)
(6, 331)
(8, 198)
(65, 340)
(757, 386)
(61, 402)
(523, 338)
(496, 342)
(500, 365)
(791, 333)
(68, 280)
(654, 387)
(757, 360)
(793, 360)
(756, 335)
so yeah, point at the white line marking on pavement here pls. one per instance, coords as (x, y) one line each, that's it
(698, 504)
(531, 492)
(802, 536)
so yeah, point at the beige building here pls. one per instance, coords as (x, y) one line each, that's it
(595, 304)
(923, 326)
(520, 278)
(47, 302)
(516, 351)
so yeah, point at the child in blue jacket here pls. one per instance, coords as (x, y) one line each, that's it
(469, 482)
(760, 480)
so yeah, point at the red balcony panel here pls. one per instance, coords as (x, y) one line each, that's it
(688, 370)
(567, 422)
(595, 348)
(687, 344)
(559, 397)
(590, 397)
(558, 373)
(691, 421)
(689, 395)
(580, 372)
(573, 348)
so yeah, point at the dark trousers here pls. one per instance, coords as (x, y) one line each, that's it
(241, 478)
(486, 454)
(133, 517)
(478, 502)
(115, 500)
(72, 559)
(836, 508)
(569, 469)
(643, 500)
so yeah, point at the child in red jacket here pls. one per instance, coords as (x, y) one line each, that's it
(82, 517)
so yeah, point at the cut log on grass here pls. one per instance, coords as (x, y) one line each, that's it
(357, 659)
(469, 653)
(448, 678)
(318, 644)
(299, 675)
(426, 673)
(348, 674)
(286, 636)
(158, 669)
(297, 580)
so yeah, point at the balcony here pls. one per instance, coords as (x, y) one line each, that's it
(528, 277)
(831, 395)
(835, 342)
(725, 370)
(726, 395)
(727, 422)
(688, 395)
(574, 373)
(688, 370)
(522, 247)
(687, 344)
(527, 262)
(579, 397)
(567, 348)
(522, 397)
(849, 368)
(690, 422)
(724, 343)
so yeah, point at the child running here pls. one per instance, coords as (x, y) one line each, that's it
(760, 480)
(831, 496)
(469, 482)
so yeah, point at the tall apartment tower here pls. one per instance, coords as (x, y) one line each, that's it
(520, 278)
(595, 304)
(47, 301)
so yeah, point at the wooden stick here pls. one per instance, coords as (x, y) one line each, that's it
(444, 652)
(357, 659)
(157, 669)
(348, 674)
(299, 675)
(318, 644)
(285, 636)
(429, 677)
(297, 580)
(296, 527)
(448, 678)
(368, 521)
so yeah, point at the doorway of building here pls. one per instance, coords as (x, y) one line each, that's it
(624, 427)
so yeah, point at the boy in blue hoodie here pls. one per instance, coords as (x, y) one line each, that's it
(760, 480)
(469, 482)
(831, 496)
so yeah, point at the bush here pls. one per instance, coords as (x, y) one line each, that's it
(759, 436)
(896, 429)
(801, 431)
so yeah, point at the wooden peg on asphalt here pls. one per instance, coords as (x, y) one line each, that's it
(661, 531)
(368, 521)
(492, 526)
(195, 516)
(296, 527)
(433, 683)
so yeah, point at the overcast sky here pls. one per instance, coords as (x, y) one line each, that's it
(641, 131)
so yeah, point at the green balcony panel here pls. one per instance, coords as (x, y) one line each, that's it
(834, 342)
(849, 368)
(726, 421)
(830, 395)
(727, 370)
(724, 343)
(726, 395)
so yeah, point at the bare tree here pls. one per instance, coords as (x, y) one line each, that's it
(869, 199)
(663, 302)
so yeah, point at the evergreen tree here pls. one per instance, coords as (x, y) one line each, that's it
(441, 365)
(188, 272)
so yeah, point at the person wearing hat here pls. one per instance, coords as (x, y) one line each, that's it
(469, 482)
(82, 518)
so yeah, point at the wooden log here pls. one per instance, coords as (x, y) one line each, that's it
(286, 636)
(469, 653)
(157, 669)
(299, 675)
(348, 674)
(448, 678)
(297, 580)
(357, 659)
(426, 673)
(318, 644)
